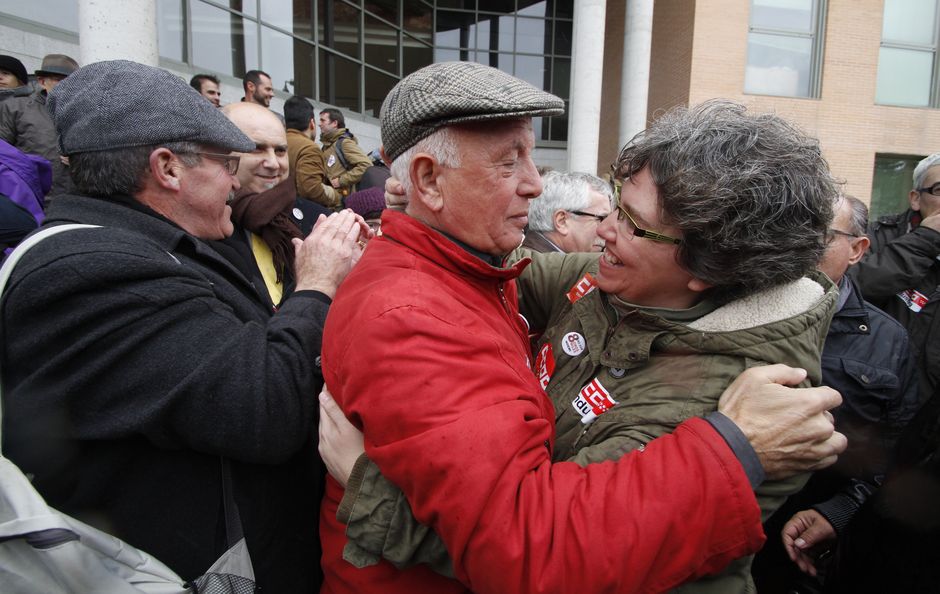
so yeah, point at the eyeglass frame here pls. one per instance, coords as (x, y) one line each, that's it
(221, 158)
(597, 217)
(931, 190)
(835, 232)
(641, 232)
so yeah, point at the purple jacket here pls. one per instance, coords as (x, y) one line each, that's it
(25, 179)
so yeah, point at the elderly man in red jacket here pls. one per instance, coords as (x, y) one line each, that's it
(426, 353)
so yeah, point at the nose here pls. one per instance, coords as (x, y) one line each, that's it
(530, 182)
(270, 159)
(607, 229)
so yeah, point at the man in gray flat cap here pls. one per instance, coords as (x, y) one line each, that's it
(25, 122)
(137, 362)
(436, 371)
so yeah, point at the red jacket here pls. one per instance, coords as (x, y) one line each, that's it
(424, 350)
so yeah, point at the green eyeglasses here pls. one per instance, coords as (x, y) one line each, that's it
(624, 215)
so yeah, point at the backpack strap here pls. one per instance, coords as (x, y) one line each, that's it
(338, 146)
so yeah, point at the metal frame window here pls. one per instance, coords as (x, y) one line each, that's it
(908, 69)
(785, 48)
(350, 53)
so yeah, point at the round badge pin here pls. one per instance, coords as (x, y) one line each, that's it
(573, 344)
(298, 214)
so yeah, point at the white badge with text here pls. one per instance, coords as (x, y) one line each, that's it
(593, 400)
(573, 344)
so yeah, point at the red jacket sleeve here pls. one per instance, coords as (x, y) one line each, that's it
(456, 419)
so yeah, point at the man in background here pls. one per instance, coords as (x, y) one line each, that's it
(345, 161)
(25, 122)
(566, 215)
(258, 88)
(306, 159)
(208, 87)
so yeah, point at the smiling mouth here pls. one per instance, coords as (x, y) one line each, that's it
(610, 259)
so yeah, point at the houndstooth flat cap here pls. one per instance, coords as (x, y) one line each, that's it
(456, 92)
(119, 104)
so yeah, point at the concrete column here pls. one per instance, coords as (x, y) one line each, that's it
(587, 73)
(118, 29)
(635, 83)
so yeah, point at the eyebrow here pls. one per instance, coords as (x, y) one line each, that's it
(261, 146)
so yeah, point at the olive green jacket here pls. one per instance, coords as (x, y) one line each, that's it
(652, 373)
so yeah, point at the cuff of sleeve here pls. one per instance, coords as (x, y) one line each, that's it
(739, 444)
(838, 511)
(353, 485)
(322, 297)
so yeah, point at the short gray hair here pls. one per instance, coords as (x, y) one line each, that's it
(122, 171)
(564, 191)
(858, 221)
(751, 193)
(921, 170)
(441, 145)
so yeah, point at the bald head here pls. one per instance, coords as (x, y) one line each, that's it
(266, 166)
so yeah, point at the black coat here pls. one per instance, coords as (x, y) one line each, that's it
(133, 358)
(904, 257)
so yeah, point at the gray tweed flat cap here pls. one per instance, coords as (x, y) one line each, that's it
(119, 104)
(456, 92)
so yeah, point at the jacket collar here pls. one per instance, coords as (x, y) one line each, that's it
(124, 212)
(433, 245)
(536, 240)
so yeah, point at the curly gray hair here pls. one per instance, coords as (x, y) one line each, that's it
(751, 193)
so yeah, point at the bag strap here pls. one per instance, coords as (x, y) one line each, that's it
(338, 145)
(7, 270)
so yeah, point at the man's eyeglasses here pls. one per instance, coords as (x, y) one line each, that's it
(228, 162)
(933, 190)
(623, 215)
(833, 232)
(596, 217)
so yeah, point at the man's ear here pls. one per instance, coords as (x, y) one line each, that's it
(165, 169)
(859, 247)
(560, 222)
(425, 173)
(914, 197)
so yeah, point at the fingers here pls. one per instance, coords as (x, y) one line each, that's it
(395, 194)
(777, 374)
(329, 406)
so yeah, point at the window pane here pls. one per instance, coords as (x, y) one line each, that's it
(378, 86)
(466, 4)
(57, 13)
(277, 58)
(794, 15)
(910, 21)
(381, 45)
(418, 19)
(416, 55)
(277, 12)
(562, 38)
(338, 26)
(532, 9)
(890, 185)
(564, 8)
(531, 35)
(496, 33)
(778, 65)
(339, 81)
(904, 77)
(499, 6)
(447, 55)
(170, 31)
(387, 9)
(222, 41)
(561, 78)
(304, 60)
(534, 70)
(455, 29)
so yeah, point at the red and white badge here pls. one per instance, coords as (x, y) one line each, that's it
(914, 300)
(593, 400)
(582, 288)
(545, 365)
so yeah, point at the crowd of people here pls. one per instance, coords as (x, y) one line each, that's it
(707, 373)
